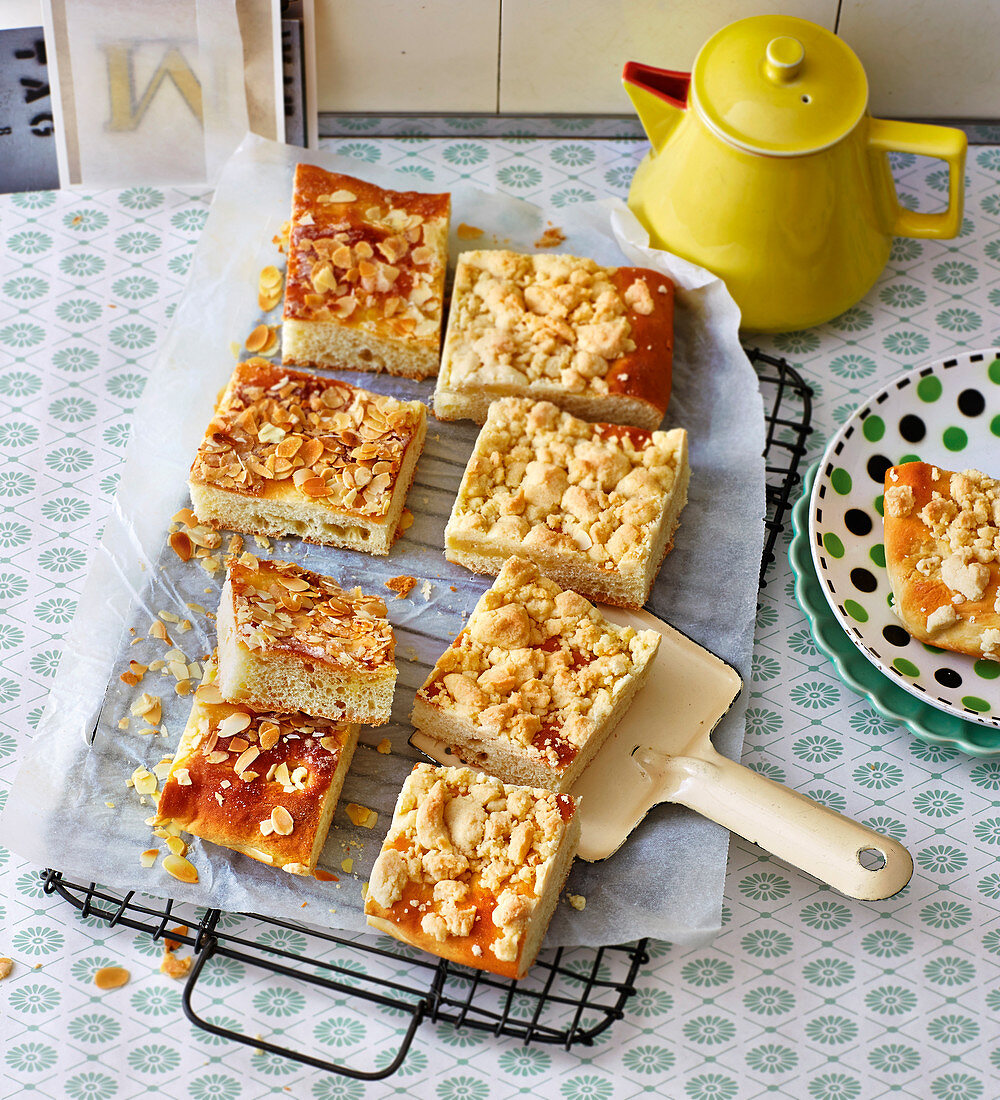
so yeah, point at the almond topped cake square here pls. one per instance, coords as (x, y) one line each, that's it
(291, 639)
(471, 868)
(597, 341)
(534, 683)
(942, 554)
(261, 783)
(289, 453)
(594, 505)
(366, 269)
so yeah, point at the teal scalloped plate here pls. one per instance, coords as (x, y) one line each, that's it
(937, 727)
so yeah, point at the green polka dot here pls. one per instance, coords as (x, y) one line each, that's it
(877, 554)
(880, 505)
(840, 479)
(929, 389)
(995, 425)
(973, 702)
(907, 668)
(955, 439)
(932, 648)
(873, 428)
(988, 670)
(908, 458)
(856, 611)
(834, 547)
(993, 371)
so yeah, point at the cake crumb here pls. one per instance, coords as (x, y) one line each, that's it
(347, 864)
(402, 586)
(578, 901)
(384, 746)
(361, 815)
(551, 238)
(426, 589)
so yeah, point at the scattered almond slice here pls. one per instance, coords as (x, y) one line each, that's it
(172, 945)
(258, 338)
(347, 865)
(111, 977)
(181, 869)
(174, 967)
(149, 857)
(6, 966)
(177, 846)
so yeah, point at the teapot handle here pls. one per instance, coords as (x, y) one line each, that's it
(942, 142)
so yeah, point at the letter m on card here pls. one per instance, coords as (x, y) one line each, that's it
(129, 102)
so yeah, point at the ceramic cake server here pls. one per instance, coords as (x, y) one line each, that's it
(662, 751)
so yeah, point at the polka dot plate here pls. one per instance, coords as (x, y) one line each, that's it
(947, 413)
(929, 724)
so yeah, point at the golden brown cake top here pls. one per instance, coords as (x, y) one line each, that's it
(252, 779)
(537, 666)
(335, 445)
(563, 320)
(466, 857)
(942, 541)
(278, 605)
(555, 482)
(361, 255)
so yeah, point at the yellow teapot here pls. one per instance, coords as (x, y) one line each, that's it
(767, 169)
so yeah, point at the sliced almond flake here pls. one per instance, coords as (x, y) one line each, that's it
(246, 758)
(181, 869)
(270, 277)
(282, 821)
(234, 723)
(248, 776)
(217, 757)
(183, 777)
(347, 865)
(177, 846)
(180, 543)
(158, 630)
(169, 617)
(149, 856)
(208, 693)
(343, 196)
(266, 827)
(258, 338)
(182, 687)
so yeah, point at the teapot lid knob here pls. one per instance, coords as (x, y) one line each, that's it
(784, 58)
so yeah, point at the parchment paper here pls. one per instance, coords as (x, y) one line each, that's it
(70, 807)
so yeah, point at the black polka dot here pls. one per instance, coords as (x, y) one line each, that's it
(857, 522)
(896, 635)
(971, 402)
(877, 466)
(863, 581)
(912, 429)
(948, 677)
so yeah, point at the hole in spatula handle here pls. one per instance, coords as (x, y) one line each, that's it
(871, 859)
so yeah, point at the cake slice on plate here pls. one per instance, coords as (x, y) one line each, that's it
(366, 268)
(597, 341)
(535, 682)
(471, 868)
(594, 505)
(289, 453)
(291, 639)
(942, 554)
(260, 783)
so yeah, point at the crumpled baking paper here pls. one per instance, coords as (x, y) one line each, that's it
(70, 808)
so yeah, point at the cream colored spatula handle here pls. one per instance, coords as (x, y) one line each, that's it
(857, 861)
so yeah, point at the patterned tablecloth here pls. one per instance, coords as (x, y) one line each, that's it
(805, 994)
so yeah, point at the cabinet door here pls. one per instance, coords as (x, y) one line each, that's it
(394, 56)
(927, 58)
(566, 56)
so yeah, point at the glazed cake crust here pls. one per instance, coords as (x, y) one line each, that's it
(471, 868)
(263, 784)
(594, 505)
(366, 270)
(942, 554)
(291, 639)
(597, 341)
(535, 683)
(290, 453)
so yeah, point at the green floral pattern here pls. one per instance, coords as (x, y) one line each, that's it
(803, 994)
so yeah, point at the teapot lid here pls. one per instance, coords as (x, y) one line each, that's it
(779, 85)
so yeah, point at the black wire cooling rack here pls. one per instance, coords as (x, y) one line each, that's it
(570, 995)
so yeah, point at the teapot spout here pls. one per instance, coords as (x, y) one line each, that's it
(659, 97)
